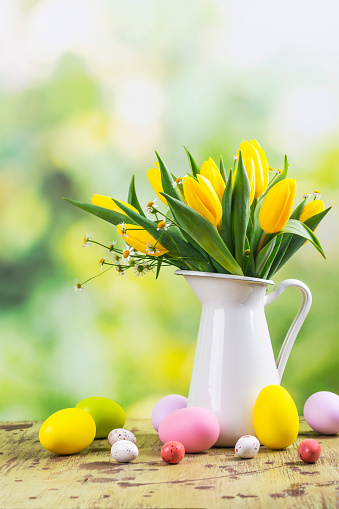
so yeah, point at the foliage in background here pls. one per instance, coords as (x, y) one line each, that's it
(82, 106)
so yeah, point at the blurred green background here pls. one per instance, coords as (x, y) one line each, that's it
(88, 90)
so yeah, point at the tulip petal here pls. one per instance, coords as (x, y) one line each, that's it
(107, 203)
(154, 177)
(211, 172)
(311, 209)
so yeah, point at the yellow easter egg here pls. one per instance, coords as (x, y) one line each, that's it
(67, 431)
(275, 417)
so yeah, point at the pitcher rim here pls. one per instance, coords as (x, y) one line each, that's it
(223, 276)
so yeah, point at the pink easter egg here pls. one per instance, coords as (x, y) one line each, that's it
(166, 406)
(321, 412)
(196, 428)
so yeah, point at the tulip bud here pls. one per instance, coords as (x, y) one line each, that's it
(248, 156)
(107, 203)
(277, 205)
(154, 177)
(139, 238)
(256, 166)
(200, 196)
(311, 209)
(262, 170)
(211, 171)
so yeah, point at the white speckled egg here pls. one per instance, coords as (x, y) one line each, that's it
(247, 446)
(120, 434)
(124, 451)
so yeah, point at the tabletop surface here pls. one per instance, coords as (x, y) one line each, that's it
(31, 477)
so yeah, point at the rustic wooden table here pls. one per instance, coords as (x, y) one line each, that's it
(31, 477)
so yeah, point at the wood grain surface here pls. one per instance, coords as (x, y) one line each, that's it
(32, 477)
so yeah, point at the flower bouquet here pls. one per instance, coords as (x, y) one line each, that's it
(238, 222)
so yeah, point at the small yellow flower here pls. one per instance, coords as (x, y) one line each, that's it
(177, 182)
(277, 205)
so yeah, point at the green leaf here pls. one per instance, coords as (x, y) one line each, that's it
(194, 167)
(159, 262)
(167, 180)
(263, 256)
(108, 215)
(204, 233)
(222, 170)
(298, 210)
(170, 241)
(132, 197)
(296, 242)
(226, 203)
(240, 210)
(302, 230)
(264, 273)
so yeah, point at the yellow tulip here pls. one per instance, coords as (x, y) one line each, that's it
(311, 209)
(139, 238)
(248, 156)
(262, 170)
(107, 203)
(211, 171)
(201, 197)
(256, 166)
(277, 205)
(154, 177)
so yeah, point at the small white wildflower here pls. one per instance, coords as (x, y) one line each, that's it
(317, 195)
(235, 158)
(111, 247)
(306, 195)
(78, 287)
(102, 262)
(140, 270)
(121, 270)
(151, 250)
(127, 253)
(177, 182)
(151, 206)
(162, 225)
(87, 240)
(123, 229)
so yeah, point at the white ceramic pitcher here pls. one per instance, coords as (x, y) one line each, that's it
(234, 358)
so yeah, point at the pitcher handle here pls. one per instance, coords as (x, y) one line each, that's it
(297, 322)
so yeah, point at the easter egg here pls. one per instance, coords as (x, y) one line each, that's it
(172, 452)
(166, 406)
(124, 451)
(67, 431)
(120, 434)
(197, 429)
(106, 413)
(247, 446)
(321, 412)
(309, 450)
(275, 417)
